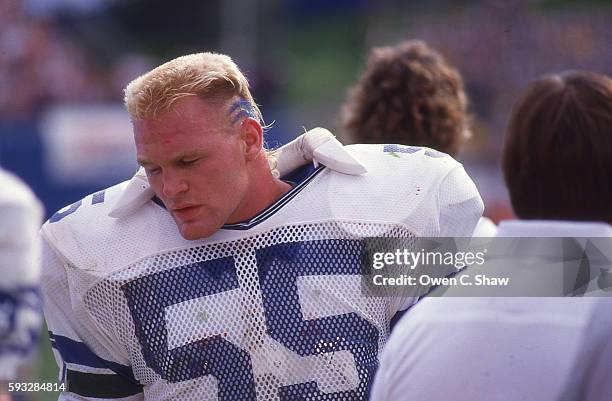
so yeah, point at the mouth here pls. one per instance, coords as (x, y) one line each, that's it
(185, 212)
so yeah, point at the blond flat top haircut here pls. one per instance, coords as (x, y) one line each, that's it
(211, 76)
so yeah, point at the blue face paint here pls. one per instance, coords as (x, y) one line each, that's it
(244, 108)
(239, 115)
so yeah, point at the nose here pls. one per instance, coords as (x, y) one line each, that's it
(173, 184)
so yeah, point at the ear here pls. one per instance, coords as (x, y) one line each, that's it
(252, 136)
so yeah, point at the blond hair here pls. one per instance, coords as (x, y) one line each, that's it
(208, 75)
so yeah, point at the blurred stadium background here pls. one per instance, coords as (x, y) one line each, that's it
(64, 63)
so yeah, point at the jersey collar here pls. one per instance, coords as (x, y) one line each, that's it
(298, 178)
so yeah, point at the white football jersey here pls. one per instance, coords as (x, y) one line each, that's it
(20, 309)
(266, 309)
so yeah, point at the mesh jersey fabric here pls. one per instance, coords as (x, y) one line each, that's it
(270, 309)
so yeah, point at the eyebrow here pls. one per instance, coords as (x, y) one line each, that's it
(184, 155)
(188, 155)
(143, 162)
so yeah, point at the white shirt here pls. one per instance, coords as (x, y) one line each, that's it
(470, 349)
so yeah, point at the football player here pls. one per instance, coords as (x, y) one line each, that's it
(20, 310)
(224, 272)
(556, 163)
(410, 94)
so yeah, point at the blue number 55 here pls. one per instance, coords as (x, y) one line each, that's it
(279, 268)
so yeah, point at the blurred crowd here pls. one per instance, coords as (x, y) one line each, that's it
(498, 48)
(41, 63)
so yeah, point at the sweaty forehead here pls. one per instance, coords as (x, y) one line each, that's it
(155, 149)
(188, 117)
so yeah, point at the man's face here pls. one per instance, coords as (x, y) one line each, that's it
(195, 163)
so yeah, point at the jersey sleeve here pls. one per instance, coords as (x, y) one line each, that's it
(460, 204)
(20, 306)
(460, 209)
(91, 364)
(485, 228)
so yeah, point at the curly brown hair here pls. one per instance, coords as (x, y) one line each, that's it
(408, 94)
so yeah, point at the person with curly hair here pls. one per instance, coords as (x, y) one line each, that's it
(409, 94)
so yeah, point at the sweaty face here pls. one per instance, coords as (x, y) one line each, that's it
(194, 162)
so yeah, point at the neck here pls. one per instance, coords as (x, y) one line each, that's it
(263, 191)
